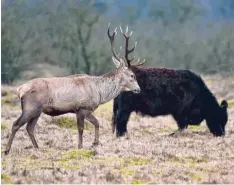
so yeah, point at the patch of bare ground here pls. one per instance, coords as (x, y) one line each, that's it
(146, 155)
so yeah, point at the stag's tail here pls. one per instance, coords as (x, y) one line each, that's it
(115, 109)
(23, 89)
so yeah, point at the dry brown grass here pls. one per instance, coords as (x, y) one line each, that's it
(146, 155)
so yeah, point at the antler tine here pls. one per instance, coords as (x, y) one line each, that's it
(138, 63)
(121, 29)
(115, 31)
(126, 29)
(112, 38)
(127, 35)
(130, 34)
(138, 60)
(133, 48)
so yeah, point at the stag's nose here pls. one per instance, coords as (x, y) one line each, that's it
(138, 90)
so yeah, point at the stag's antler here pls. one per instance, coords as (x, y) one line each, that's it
(127, 35)
(112, 38)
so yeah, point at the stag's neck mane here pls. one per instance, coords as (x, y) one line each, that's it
(108, 86)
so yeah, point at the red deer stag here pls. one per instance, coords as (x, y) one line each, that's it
(79, 94)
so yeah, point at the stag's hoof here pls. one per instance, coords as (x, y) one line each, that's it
(95, 143)
(172, 134)
(6, 152)
(28, 147)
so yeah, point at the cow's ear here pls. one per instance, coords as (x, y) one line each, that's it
(224, 104)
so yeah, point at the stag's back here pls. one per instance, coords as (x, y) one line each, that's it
(69, 92)
(62, 93)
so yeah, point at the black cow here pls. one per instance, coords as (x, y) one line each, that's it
(180, 93)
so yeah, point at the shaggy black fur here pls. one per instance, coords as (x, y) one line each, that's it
(180, 93)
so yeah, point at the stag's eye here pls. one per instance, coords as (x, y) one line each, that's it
(133, 76)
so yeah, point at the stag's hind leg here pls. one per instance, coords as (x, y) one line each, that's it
(30, 109)
(30, 129)
(15, 127)
(94, 121)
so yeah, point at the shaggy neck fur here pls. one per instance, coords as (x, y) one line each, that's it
(109, 86)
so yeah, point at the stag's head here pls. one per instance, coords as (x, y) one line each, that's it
(123, 64)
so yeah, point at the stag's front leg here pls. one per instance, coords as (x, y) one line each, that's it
(94, 121)
(80, 125)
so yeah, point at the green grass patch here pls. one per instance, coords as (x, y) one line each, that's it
(104, 109)
(65, 122)
(9, 99)
(3, 126)
(186, 160)
(69, 122)
(31, 163)
(108, 160)
(8, 94)
(127, 171)
(147, 132)
(195, 176)
(70, 165)
(5, 179)
(3, 163)
(71, 159)
(34, 164)
(78, 154)
(9, 102)
(194, 127)
(106, 106)
(230, 103)
(137, 181)
(165, 130)
(122, 165)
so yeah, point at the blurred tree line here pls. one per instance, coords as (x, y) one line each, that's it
(72, 35)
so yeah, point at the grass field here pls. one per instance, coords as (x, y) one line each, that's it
(146, 155)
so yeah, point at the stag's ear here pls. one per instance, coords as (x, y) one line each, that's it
(116, 62)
